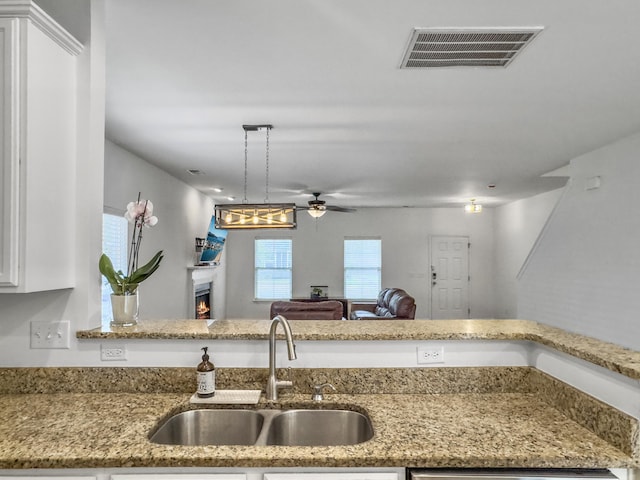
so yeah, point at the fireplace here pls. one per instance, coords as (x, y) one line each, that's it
(202, 293)
(203, 301)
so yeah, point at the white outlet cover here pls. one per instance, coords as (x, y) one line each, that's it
(430, 354)
(113, 352)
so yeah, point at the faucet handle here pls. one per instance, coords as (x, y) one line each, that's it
(317, 391)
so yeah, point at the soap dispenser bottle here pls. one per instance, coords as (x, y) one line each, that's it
(206, 375)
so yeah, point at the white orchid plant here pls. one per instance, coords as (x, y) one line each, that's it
(140, 213)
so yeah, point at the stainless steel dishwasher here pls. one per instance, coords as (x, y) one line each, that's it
(508, 474)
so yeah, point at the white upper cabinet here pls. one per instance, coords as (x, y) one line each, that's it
(38, 86)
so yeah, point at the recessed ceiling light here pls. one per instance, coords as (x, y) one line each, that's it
(217, 189)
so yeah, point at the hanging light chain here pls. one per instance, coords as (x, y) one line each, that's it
(246, 150)
(266, 189)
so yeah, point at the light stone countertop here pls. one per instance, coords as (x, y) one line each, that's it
(604, 354)
(107, 430)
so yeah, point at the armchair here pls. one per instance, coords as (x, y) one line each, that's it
(391, 303)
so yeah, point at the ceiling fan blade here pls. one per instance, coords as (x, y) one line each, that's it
(334, 208)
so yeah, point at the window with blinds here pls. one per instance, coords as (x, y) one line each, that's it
(273, 268)
(114, 244)
(362, 268)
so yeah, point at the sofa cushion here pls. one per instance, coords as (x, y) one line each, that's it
(383, 312)
(329, 310)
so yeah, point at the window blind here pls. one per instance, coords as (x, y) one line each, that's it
(114, 243)
(273, 269)
(362, 268)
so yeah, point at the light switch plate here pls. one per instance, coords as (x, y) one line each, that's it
(50, 334)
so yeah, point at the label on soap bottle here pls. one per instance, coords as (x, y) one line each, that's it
(206, 383)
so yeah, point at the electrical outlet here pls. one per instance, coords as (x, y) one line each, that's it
(114, 352)
(430, 354)
(50, 334)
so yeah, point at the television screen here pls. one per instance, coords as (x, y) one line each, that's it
(212, 249)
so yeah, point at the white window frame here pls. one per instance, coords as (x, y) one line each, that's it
(119, 261)
(256, 270)
(347, 269)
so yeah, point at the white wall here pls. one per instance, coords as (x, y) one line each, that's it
(81, 305)
(318, 255)
(183, 214)
(517, 226)
(584, 274)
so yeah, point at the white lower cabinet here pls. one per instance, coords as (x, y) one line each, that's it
(181, 476)
(333, 476)
(275, 474)
(290, 473)
(44, 477)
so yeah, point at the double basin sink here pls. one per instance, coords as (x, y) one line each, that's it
(295, 427)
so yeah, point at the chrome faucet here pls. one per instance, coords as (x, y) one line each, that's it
(273, 383)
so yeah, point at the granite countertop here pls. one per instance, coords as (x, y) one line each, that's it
(604, 354)
(91, 430)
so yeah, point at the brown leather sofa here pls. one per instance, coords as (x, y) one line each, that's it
(329, 310)
(391, 303)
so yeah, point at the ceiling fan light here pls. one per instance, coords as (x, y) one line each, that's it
(316, 212)
(473, 207)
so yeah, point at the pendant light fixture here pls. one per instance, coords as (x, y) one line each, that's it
(247, 215)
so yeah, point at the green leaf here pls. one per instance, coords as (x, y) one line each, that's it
(122, 284)
(117, 280)
(147, 269)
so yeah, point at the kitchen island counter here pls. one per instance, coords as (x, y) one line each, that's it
(607, 355)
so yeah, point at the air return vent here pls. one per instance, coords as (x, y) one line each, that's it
(466, 47)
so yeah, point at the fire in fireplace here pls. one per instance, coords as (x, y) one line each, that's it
(203, 301)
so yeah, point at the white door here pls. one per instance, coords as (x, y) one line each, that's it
(449, 277)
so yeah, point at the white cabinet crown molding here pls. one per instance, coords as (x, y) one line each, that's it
(29, 10)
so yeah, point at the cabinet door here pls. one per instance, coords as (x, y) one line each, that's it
(38, 143)
(9, 162)
(182, 476)
(333, 476)
(47, 477)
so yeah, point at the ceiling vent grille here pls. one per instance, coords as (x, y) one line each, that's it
(466, 47)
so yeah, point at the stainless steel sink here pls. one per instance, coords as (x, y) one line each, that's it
(211, 427)
(301, 427)
(319, 427)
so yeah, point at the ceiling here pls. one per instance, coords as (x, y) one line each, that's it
(184, 76)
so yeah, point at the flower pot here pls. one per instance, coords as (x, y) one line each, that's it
(125, 310)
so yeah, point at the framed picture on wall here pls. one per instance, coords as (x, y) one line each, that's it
(214, 244)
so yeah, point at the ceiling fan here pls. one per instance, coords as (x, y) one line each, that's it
(318, 208)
